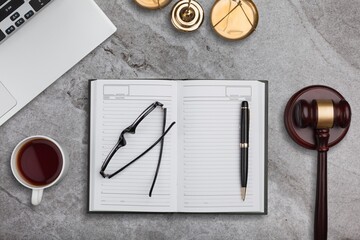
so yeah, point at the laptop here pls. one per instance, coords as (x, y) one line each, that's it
(40, 40)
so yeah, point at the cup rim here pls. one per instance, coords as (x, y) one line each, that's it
(15, 171)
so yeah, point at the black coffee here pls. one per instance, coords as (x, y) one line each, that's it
(39, 162)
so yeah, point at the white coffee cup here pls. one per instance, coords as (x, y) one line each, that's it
(37, 191)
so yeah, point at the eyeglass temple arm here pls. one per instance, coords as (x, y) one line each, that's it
(142, 154)
(160, 155)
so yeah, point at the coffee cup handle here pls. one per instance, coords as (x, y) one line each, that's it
(36, 196)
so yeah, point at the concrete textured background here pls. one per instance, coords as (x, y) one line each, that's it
(297, 43)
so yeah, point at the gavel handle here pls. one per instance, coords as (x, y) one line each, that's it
(321, 214)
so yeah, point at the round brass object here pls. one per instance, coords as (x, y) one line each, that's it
(152, 4)
(187, 15)
(234, 19)
(325, 112)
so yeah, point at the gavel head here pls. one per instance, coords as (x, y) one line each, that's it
(322, 114)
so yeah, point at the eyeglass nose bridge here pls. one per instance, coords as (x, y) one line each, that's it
(121, 141)
(131, 129)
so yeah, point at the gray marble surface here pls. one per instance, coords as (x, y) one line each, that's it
(297, 43)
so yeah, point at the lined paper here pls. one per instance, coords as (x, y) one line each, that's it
(209, 159)
(200, 169)
(117, 105)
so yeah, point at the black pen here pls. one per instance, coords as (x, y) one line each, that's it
(244, 146)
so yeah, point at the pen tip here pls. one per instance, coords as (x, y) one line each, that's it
(243, 193)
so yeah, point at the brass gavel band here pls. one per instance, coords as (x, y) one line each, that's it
(234, 19)
(152, 4)
(325, 114)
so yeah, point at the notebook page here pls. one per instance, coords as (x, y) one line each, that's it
(115, 104)
(209, 153)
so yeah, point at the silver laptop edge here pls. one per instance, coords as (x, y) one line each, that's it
(44, 49)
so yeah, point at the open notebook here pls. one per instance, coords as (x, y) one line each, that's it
(200, 169)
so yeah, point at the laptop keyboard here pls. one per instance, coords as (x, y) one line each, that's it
(14, 13)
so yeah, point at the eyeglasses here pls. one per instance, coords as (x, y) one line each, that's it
(131, 130)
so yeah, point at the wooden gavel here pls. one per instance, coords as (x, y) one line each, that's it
(318, 117)
(322, 115)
